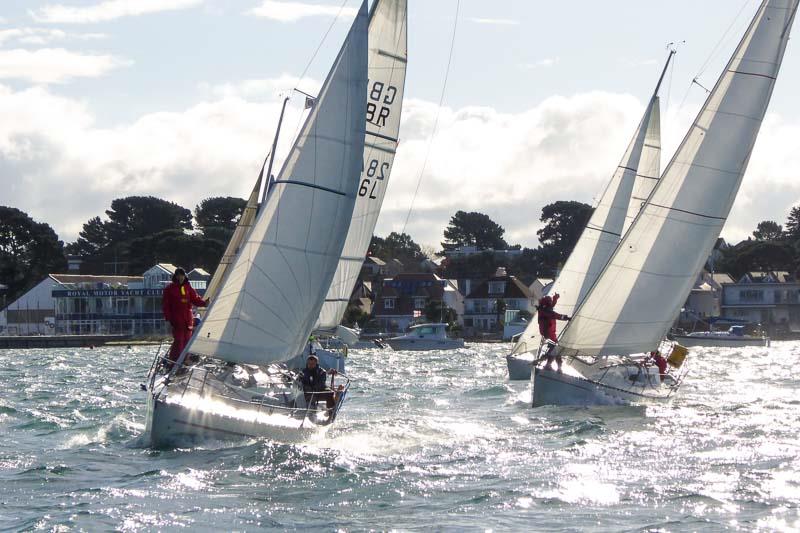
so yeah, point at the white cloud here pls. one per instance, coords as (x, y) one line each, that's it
(54, 65)
(41, 36)
(261, 88)
(494, 22)
(547, 62)
(62, 168)
(293, 11)
(107, 10)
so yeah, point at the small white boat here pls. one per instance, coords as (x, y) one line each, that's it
(425, 337)
(611, 381)
(734, 336)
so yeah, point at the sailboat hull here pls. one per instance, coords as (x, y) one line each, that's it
(519, 366)
(572, 389)
(175, 425)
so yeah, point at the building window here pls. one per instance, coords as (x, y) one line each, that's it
(751, 295)
(419, 303)
(497, 287)
(388, 303)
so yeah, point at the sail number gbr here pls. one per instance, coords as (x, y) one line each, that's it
(379, 109)
(379, 105)
(375, 171)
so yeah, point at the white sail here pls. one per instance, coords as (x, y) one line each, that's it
(638, 296)
(602, 233)
(649, 169)
(246, 221)
(272, 294)
(387, 76)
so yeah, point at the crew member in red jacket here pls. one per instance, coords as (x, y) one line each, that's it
(547, 326)
(177, 302)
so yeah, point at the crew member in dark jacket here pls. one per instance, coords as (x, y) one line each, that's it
(313, 380)
(547, 326)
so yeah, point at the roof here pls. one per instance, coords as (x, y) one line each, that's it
(79, 278)
(169, 268)
(200, 271)
(722, 278)
(377, 260)
(544, 282)
(514, 289)
(766, 277)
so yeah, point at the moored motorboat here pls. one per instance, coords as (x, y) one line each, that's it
(423, 337)
(733, 336)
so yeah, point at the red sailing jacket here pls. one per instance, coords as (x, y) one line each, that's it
(548, 317)
(177, 304)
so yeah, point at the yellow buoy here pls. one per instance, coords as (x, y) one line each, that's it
(677, 356)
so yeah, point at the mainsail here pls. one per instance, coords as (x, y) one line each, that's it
(637, 171)
(273, 291)
(239, 234)
(639, 294)
(387, 75)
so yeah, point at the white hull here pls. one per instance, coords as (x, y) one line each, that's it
(400, 343)
(173, 424)
(222, 403)
(519, 366)
(720, 340)
(570, 388)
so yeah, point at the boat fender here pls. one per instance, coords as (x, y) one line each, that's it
(344, 350)
(678, 356)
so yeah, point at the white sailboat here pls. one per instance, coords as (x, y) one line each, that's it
(273, 290)
(640, 292)
(388, 56)
(630, 185)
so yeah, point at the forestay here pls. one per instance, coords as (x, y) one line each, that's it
(387, 75)
(638, 296)
(273, 292)
(246, 221)
(602, 234)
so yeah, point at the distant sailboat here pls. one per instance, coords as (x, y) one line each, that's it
(637, 297)
(388, 53)
(272, 292)
(630, 185)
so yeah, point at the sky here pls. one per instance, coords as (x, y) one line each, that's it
(179, 99)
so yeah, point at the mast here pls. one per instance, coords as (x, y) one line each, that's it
(272, 151)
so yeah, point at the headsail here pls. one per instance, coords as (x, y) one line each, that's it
(639, 294)
(387, 75)
(602, 234)
(239, 234)
(273, 292)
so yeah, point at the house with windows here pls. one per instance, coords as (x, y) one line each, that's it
(486, 307)
(404, 297)
(771, 299)
(705, 299)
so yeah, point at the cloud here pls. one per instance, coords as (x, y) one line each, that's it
(261, 88)
(107, 10)
(494, 22)
(54, 65)
(41, 36)
(62, 168)
(294, 11)
(547, 62)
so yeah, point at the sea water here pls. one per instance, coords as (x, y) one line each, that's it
(426, 441)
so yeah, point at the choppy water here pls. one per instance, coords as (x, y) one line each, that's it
(437, 441)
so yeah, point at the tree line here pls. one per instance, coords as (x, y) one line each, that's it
(139, 231)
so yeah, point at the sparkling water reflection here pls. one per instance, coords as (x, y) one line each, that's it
(427, 440)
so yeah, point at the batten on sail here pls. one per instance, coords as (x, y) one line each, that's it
(639, 294)
(274, 289)
(388, 54)
(602, 233)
